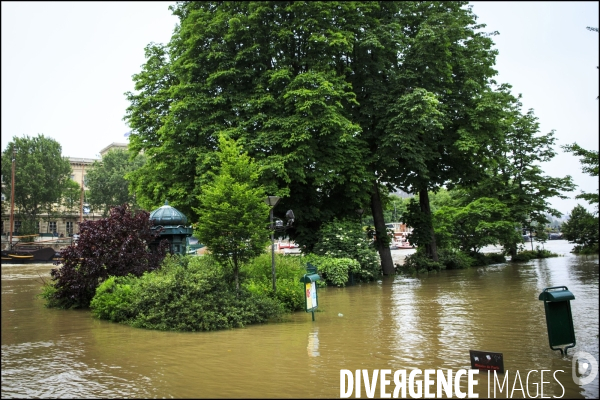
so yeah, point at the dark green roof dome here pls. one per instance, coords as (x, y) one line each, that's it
(168, 216)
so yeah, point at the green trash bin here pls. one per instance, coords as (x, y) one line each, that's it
(559, 320)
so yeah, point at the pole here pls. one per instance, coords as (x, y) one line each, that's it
(12, 198)
(531, 237)
(273, 249)
(81, 199)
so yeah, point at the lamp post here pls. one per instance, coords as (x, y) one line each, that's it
(12, 197)
(272, 202)
(530, 233)
(360, 213)
(81, 198)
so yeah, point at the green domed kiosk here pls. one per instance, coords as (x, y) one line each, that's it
(174, 227)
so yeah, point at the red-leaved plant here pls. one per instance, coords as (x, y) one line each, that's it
(118, 245)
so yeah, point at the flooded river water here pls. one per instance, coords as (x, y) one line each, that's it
(398, 323)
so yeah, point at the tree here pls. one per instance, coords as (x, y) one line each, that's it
(41, 176)
(422, 72)
(589, 161)
(337, 101)
(232, 212)
(513, 174)
(483, 222)
(107, 182)
(582, 228)
(114, 246)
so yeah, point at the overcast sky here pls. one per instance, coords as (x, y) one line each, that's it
(66, 65)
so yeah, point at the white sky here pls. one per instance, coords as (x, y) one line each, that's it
(66, 65)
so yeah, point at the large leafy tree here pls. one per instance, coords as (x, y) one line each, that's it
(232, 211)
(41, 176)
(581, 228)
(107, 182)
(269, 74)
(514, 174)
(419, 70)
(335, 100)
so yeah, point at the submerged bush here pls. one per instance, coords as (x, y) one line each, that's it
(335, 271)
(483, 259)
(112, 246)
(419, 262)
(289, 291)
(527, 255)
(346, 239)
(454, 259)
(194, 294)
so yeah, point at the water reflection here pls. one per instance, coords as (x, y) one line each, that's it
(396, 323)
(313, 343)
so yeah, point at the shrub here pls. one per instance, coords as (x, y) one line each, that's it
(289, 270)
(289, 293)
(592, 249)
(495, 258)
(186, 294)
(483, 259)
(454, 259)
(420, 263)
(346, 239)
(335, 271)
(527, 255)
(114, 299)
(113, 246)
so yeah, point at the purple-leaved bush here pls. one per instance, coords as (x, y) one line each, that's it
(114, 246)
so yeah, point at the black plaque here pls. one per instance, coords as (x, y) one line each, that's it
(487, 361)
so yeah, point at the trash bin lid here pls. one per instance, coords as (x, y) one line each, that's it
(308, 278)
(557, 295)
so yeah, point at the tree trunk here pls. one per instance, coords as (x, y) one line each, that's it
(431, 247)
(235, 274)
(383, 247)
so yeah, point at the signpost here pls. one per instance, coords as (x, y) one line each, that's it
(310, 289)
(487, 361)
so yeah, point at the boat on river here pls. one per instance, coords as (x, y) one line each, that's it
(29, 252)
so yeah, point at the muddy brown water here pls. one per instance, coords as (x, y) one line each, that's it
(397, 323)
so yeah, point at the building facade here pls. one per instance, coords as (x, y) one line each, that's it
(64, 222)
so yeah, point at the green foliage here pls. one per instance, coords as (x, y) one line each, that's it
(527, 255)
(48, 294)
(335, 270)
(114, 246)
(514, 175)
(593, 249)
(271, 75)
(107, 181)
(483, 259)
(346, 239)
(289, 270)
(590, 165)
(41, 176)
(420, 263)
(581, 228)
(186, 294)
(114, 299)
(455, 259)
(232, 212)
(482, 222)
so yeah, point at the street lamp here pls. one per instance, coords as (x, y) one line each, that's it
(360, 213)
(272, 202)
(12, 197)
(530, 233)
